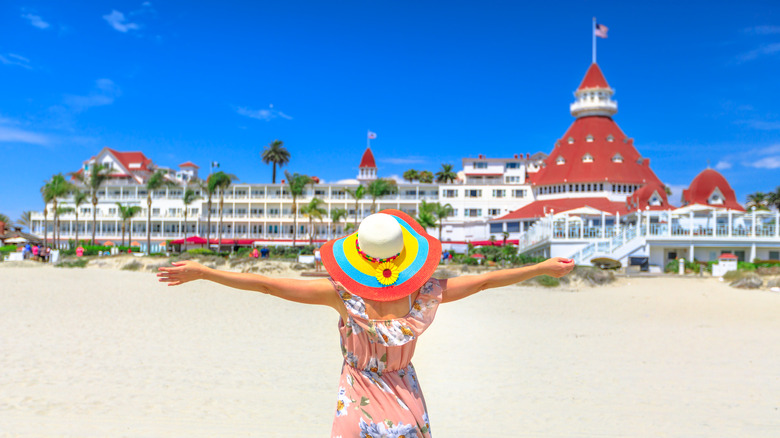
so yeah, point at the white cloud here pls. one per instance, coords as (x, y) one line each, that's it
(404, 160)
(263, 114)
(117, 20)
(763, 125)
(36, 21)
(396, 178)
(723, 165)
(15, 135)
(347, 181)
(766, 163)
(766, 49)
(763, 30)
(13, 59)
(105, 93)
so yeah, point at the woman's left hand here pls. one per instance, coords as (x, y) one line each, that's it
(556, 266)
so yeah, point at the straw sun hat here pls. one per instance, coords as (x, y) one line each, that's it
(389, 257)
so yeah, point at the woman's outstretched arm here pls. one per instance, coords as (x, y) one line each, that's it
(301, 291)
(461, 287)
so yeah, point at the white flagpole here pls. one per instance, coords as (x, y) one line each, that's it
(368, 138)
(593, 31)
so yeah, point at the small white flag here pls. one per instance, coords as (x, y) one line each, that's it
(214, 164)
(601, 30)
(371, 135)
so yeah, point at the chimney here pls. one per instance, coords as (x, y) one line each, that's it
(527, 155)
(2, 228)
(516, 156)
(646, 162)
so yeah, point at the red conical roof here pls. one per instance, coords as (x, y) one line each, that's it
(704, 185)
(593, 78)
(368, 159)
(606, 140)
(640, 199)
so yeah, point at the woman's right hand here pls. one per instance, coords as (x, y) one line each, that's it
(181, 272)
(556, 266)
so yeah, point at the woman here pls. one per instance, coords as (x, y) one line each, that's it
(382, 287)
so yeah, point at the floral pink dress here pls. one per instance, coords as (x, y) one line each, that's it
(379, 396)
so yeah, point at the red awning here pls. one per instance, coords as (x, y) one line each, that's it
(197, 240)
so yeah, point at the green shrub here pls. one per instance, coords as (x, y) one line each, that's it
(470, 261)
(79, 263)
(200, 251)
(758, 263)
(672, 266)
(243, 251)
(746, 266)
(7, 249)
(547, 281)
(732, 275)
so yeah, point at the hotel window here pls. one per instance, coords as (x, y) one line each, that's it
(512, 179)
(774, 255)
(617, 158)
(453, 212)
(319, 193)
(450, 193)
(85, 210)
(480, 165)
(587, 158)
(473, 193)
(499, 193)
(473, 212)
(610, 138)
(560, 160)
(494, 211)
(513, 227)
(111, 211)
(194, 211)
(589, 138)
(273, 211)
(257, 212)
(512, 165)
(601, 186)
(241, 211)
(496, 228)
(571, 140)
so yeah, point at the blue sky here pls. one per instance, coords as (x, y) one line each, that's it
(696, 82)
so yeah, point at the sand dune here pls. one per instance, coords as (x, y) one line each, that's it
(101, 352)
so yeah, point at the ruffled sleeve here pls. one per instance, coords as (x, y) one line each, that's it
(424, 307)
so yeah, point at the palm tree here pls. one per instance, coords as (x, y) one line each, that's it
(425, 216)
(410, 175)
(759, 200)
(773, 198)
(276, 154)
(425, 177)
(441, 212)
(220, 181)
(314, 210)
(336, 215)
(296, 183)
(190, 196)
(126, 213)
(357, 194)
(25, 220)
(380, 187)
(4, 219)
(55, 188)
(210, 190)
(97, 176)
(157, 181)
(79, 198)
(446, 175)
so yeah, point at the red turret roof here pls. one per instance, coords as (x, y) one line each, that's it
(704, 185)
(640, 199)
(605, 166)
(126, 158)
(189, 164)
(368, 159)
(541, 208)
(593, 78)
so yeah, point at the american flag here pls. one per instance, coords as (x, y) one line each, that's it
(371, 135)
(601, 30)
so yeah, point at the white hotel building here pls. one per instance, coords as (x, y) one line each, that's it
(262, 213)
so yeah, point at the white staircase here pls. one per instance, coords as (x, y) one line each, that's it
(619, 247)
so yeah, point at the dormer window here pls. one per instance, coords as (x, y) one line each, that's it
(716, 198)
(610, 138)
(589, 138)
(617, 158)
(560, 160)
(587, 158)
(571, 140)
(654, 200)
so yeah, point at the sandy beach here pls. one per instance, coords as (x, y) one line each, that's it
(103, 352)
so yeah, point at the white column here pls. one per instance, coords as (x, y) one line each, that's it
(730, 221)
(617, 223)
(714, 222)
(647, 232)
(566, 227)
(753, 226)
(603, 225)
(777, 223)
(690, 230)
(668, 223)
